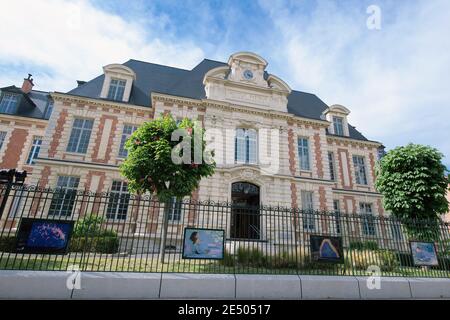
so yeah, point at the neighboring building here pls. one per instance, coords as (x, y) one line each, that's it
(320, 161)
(24, 114)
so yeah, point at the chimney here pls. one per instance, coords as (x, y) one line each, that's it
(27, 85)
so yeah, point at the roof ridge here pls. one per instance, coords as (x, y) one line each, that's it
(156, 64)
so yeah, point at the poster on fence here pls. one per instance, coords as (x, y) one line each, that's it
(326, 249)
(43, 236)
(201, 243)
(424, 253)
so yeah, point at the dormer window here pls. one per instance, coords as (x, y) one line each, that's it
(8, 104)
(338, 124)
(116, 89)
(118, 82)
(337, 116)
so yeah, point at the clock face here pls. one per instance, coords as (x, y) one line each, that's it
(248, 74)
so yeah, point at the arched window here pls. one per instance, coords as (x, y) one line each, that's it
(245, 146)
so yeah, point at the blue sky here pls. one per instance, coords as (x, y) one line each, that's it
(395, 80)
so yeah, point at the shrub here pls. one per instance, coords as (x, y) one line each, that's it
(363, 245)
(8, 244)
(251, 257)
(228, 259)
(94, 244)
(90, 226)
(362, 259)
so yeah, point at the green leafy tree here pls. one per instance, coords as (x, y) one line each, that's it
(149, 166)
(413, 182)
(159, 163)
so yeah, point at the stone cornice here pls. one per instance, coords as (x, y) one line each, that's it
(19, 118)
(350, 141)
(208, 103)
(65, 97)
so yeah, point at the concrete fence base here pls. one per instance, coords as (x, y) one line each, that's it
(124, 285)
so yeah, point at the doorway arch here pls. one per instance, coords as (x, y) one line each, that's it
(245, 217)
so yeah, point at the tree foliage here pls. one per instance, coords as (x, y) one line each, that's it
(413, 182)
(149, 166)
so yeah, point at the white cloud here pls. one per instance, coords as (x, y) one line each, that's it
(395, 80)
(70, 40)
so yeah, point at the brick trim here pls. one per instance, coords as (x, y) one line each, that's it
(58, 133)
(292, 165)
(98, 138)
(341, 170)
(14, 149)
(318, 154)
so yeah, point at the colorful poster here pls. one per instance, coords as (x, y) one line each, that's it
(424, 253)
(326, 249)
(43, 236)
(203, 243)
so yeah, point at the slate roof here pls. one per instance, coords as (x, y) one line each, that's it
(152, 77)
(31, 105)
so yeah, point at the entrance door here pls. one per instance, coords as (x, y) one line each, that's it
(245, 220)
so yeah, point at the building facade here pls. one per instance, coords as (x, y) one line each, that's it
(273, 145)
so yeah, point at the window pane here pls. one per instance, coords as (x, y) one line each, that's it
(331, 165)
(303, 153)
(118, 201)
(307, 207)
(127, 131)
(80, 135)
(338, 126)
(64, 197)
(360, 170)
(34, 151)
(8, 104)
(2, 138)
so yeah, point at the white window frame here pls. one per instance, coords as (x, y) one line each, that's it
(34, 150)
(338, 125)
(2, 138)
(83, 130)
(117, 207)
(246, 146)
(176, 210)
(304, 154)
(123, 153)
(113, 91)
(65, 196)
(360, 170)
(307, 201)
(9, 103)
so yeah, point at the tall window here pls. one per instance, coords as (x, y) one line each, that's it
(360, 170)
(2, 138)
(303, 153)
(80, 135)
(34, 151)
(64, 196)
(126, 133)
(308, 213)
(8, 104)
(337, 216)
(245, 146)
(338, 124)
(368, 220)
(118, 201)
(116, 89)
(331, 164)
(175, 210)
(396, 229)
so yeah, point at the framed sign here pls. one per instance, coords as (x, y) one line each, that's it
(201, 243)
(424, 253)
(43, 236)
(326, 249)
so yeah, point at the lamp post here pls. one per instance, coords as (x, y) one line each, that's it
(10, 177)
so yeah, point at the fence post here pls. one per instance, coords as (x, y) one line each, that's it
(162, 249)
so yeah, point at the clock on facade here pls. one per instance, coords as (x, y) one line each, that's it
(248, 74)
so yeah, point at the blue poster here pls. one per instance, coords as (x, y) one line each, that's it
(424, 253)
(203, 243)
(48, 234)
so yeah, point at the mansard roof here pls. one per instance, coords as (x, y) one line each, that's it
(151, 77)
(30, 105)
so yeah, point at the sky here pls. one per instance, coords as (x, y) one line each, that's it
(386, 61)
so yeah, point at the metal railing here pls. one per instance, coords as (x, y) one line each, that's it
(122, 232)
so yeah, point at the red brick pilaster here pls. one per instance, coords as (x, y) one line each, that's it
(372, 166)
(291, 152)
(341, 171)
(14, 149)
(318, 154)
(58, 133)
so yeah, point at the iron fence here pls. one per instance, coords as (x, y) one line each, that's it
(118, 231)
